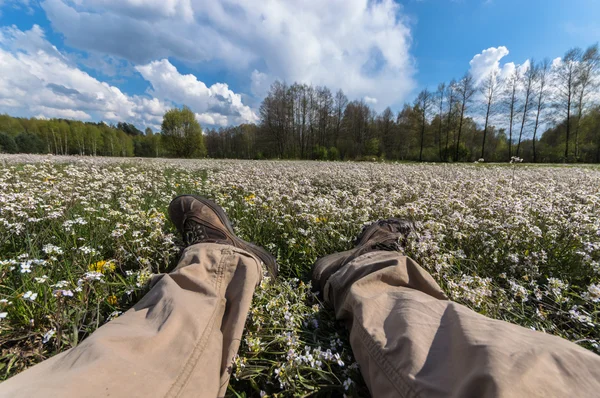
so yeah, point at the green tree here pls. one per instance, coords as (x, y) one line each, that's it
(333, 153)
(182, 134)
(10, 125)
(29, 143)
(7, 144)
(94, 137)
(372, 147)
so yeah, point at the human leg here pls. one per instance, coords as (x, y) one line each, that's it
(410, 340)
(180, 339)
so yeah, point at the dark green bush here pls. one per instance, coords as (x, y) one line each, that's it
(29, 143)
(7, 144)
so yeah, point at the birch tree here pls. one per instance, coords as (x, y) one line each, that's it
(489, 90)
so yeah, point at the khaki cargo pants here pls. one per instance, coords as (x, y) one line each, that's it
(409, 340)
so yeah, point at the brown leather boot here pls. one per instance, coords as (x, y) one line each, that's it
(200, 220)
(390, 235)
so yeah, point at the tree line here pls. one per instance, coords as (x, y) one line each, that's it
(541, 112)
(68, 137)
(495, 119)
(180, 136)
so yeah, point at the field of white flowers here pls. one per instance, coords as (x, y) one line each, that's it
(79, 238)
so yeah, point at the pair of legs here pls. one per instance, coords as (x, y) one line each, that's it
(409, 340)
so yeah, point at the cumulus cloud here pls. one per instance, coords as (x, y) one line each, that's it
(360, 46)
(217, 103)
(37, 79)
(486, 62)
(35, 76)
(490, 60)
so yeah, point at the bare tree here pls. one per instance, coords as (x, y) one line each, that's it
(324, 113)
(423, 103)
(275, 114)
(340, 103)
(586, 71)
(529, 79)
(451, 94)
(514, 80)
(489, 89)
(385, 130)
(466, 89)
(566, 76)
(543, 69)
(441, 91)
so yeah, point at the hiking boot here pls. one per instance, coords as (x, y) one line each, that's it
(389, 235)
(200, 220)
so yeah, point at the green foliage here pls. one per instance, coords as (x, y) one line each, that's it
(7, 144)
(181, 134)
(333, 153)
(372, 147)
(320, 153)
(464, 154)
(129, 129)
(29, 143)
(10, 125)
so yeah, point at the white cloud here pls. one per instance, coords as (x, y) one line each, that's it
(168, 84)
(212, 118)
(556, 63)
(361, 46)
(35, 78)
(261, 83)
(490, 60)
(47, 113)
(483, 64)
(370, 100)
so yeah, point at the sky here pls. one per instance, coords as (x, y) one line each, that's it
(131, 60)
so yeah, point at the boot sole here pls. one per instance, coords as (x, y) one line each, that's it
(265, 256)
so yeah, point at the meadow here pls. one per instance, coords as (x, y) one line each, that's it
(81, 236)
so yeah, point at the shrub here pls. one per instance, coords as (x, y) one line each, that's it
(29, 143)
(7, 144)
(320, 153)
(333, 153)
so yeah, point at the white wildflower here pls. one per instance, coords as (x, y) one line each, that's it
(29, 295)
(48, 335)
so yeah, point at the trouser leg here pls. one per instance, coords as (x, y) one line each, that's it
(179, 340)
(410, 340)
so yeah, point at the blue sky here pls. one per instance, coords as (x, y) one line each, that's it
(131, 60)
(447, 34)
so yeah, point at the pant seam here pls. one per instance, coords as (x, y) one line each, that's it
(401, 385)
(186, 371)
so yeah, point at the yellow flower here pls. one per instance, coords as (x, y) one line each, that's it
(98, 266)
(250, 198)
(102, 266)
(112, 300)
(321, 219)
